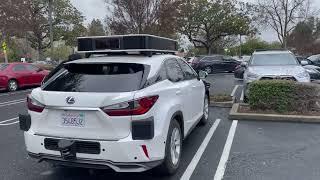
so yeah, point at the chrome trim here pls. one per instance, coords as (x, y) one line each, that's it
(73, 108)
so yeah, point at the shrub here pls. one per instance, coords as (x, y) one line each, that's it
(283, 96)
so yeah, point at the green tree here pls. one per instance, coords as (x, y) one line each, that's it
(66, 19)
(60, 52)
(96, 28)
(158, 17)
(205, 22)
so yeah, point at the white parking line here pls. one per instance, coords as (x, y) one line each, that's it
(226, 151)
(234, 90)
(188, 172)
(18, 92)
(12, 103)
(242, 96)
(9, 122)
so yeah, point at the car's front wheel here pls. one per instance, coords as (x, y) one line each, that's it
(173, 150)
(205, 116)
(12, 85)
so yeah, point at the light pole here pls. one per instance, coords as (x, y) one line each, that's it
(50, 24)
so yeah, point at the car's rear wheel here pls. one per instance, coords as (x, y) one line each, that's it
(12, 85)
(205, 116)
(173, 150)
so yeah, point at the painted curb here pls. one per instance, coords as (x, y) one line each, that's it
(234, 114)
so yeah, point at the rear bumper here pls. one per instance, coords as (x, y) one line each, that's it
(125, 155)
(96, 164)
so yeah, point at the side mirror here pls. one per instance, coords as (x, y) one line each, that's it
(203, 74)
(304, 63)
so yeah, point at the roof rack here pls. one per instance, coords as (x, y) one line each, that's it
(126, 44)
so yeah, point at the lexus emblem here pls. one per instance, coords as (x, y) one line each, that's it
(70, 100)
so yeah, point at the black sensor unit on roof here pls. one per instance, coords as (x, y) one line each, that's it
(126, 43)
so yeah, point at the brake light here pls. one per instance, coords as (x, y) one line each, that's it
(135, 107)
(34, 105)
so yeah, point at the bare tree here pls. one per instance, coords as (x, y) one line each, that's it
(143, 16)
(283, 15)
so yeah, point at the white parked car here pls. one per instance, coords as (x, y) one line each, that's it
(129, 113)
(276, 64)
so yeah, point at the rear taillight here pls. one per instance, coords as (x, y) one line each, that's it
(135, 107)
(34, 105)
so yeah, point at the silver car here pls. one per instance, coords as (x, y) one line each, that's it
(276, 64)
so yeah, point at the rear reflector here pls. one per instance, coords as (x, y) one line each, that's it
(135, 107)
(34, 105)
(145, 150)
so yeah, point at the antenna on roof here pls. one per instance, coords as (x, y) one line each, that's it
(126, 44)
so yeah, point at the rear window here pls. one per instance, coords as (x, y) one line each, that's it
(113, 77)
(3, 66)
(273, 59)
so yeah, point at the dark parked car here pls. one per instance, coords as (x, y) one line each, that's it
(215, 63)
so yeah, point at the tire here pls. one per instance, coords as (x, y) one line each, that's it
(12, 85)
(172, 162)
(208, 69)
(205, 118)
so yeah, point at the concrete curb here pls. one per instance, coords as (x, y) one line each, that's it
(226, 104)
(235, 115)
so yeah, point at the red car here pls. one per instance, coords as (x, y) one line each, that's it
(18, 75)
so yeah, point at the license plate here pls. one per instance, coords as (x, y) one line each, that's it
(72, 119)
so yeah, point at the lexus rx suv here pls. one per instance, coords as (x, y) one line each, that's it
(276, 64)
(129, 113)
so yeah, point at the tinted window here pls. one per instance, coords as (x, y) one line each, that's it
(3, 66)
(174, 71)
(32, 68)
(113, 77)
(188, 72)
(273, 59)
(19, 67)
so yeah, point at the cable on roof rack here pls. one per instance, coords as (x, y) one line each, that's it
(143, 44)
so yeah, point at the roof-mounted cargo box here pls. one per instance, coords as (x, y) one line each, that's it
(141, 43)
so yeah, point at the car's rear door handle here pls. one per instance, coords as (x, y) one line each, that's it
(178, 92)
(194, 86)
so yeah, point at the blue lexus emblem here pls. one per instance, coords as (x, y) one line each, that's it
(70, 100)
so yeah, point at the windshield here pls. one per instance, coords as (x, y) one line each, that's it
(273, 60)
(113, 77)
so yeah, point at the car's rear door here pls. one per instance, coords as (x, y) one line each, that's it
(20, 72)
(195, 92)
(181, 86)
(35, 75)
(82, 92)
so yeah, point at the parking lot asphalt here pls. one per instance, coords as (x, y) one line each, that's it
(241, 150)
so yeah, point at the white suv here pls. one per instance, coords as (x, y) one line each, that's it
(129, 113)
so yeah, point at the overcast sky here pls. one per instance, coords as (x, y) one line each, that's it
(97, 9)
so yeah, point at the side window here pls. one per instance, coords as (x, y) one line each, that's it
(32, 68)
(187, 70)
(174, 71)
(19, 67)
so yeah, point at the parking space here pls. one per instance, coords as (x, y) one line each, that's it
(221, 150)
